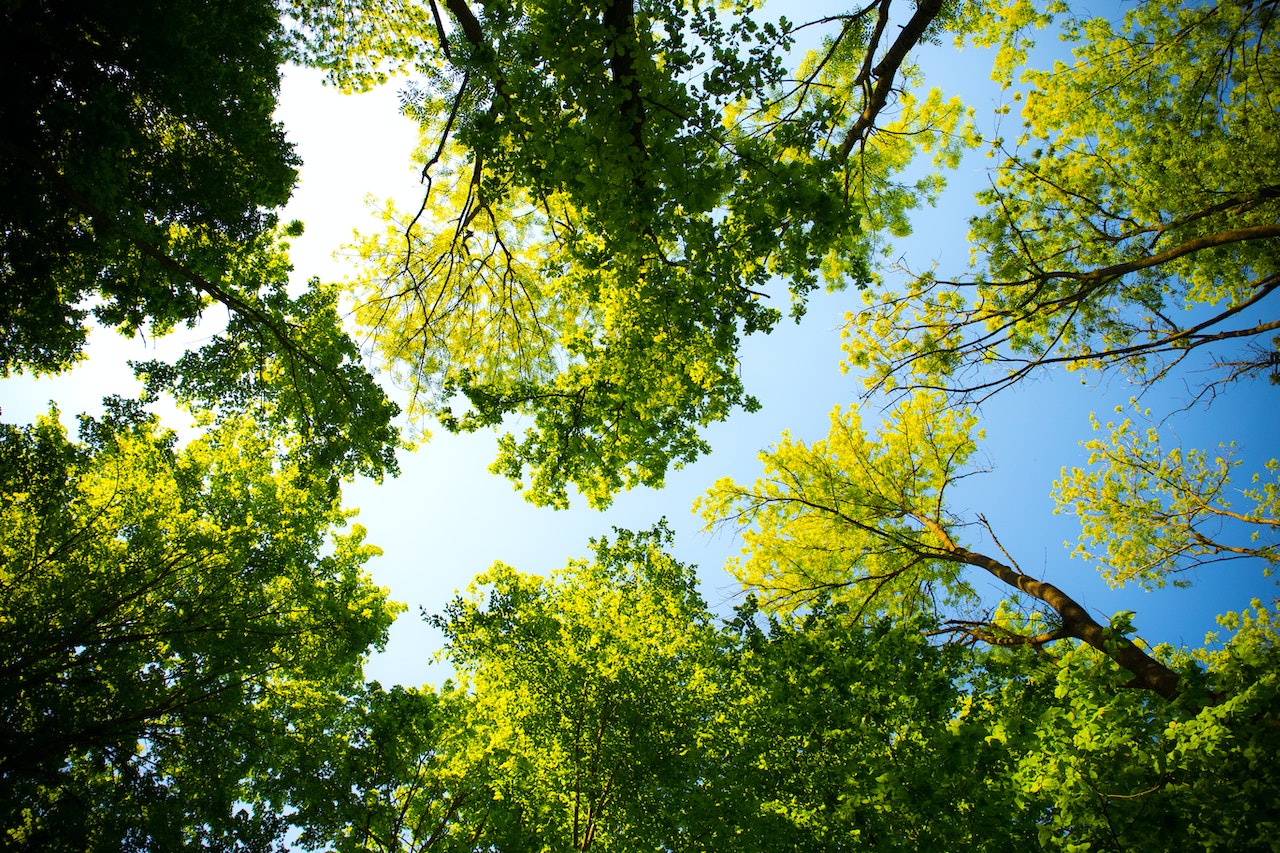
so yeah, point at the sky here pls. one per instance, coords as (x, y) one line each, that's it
(446, 518)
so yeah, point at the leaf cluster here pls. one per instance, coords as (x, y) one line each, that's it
(1157, 513)
(139, 147)
(154, 597)
(610, 195)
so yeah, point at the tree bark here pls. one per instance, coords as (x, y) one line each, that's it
(885, 71)
(1148, 672)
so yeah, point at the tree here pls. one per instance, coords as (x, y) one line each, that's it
(1130, 224)
(139, 150)
(864, 520)
(590, 687)
(371, 769)
(141, 166)
(610, 192)
(1160, 513)
(573, 724)
(154, 599)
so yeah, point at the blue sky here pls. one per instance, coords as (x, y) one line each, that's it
(446, 518)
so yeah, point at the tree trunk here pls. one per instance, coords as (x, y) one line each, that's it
(1148, 672)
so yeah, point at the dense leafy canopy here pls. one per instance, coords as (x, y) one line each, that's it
(152, 598)
(587, 687)
(838, 735)
(612, 194)
(600, 709)
(141, 166)
(139, 152)
(573, 723)
(1104, 769)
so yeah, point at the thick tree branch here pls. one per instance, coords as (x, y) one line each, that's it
(885, 71)
(620, 17)
(1098, 277)
(1148, 672)
(1076, 621)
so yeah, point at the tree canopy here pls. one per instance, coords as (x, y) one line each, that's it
(140, 152)
(613, 197)
(601, 708)
(1131, 218)
(142, 170)
(611, 193)
(153, 598)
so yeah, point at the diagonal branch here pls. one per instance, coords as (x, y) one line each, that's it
(885, 71)
(228, 299)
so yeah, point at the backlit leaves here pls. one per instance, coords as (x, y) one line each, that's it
(1148, 513)
(611, 195)
(1126, 226)
(854, 517)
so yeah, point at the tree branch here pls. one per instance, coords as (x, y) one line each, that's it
(884, 73)
(1148, 672)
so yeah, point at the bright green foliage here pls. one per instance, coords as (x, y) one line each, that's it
(1156, 513)
(598, 709)
(368, 769)
(300, 375)
(358, 43)
(1121, 770)
(153, 599)
(870, 738)
(589, 687)
(855, 517)
(863, 521)
(612, 191)
(1132, 221)
(574, 725)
